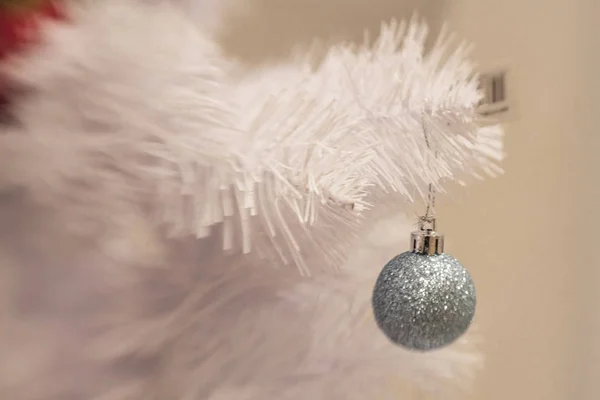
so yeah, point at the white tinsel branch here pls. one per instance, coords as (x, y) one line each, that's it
(319, 147)
(398, 91)
(284, 160)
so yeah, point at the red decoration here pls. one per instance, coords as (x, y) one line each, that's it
(20, 25)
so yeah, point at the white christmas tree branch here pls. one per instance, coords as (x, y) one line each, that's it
(286, 159)
(317, 143)
(398, 89)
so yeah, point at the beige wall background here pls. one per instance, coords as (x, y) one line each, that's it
(264, 30)
(588, 196)
(532, 258)
(527, 237)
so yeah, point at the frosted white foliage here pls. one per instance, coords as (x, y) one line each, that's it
(130, 121)
(280, 157)
(398, 92)
(324, 145)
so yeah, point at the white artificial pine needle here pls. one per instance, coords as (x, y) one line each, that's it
(351, 130)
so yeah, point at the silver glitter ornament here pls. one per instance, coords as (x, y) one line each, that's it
(424, 299)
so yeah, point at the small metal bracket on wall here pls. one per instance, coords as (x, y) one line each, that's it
(495, 94)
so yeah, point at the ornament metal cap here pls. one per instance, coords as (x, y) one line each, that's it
(426, 240)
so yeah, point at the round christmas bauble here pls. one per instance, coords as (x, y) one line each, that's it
(423, 302)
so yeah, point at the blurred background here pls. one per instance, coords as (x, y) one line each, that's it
(528, 238)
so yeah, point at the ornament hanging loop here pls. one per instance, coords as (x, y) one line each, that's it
(427, 223)
(429, 217)
(426, 241)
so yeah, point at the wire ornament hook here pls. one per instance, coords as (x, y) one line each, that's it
(427, 221)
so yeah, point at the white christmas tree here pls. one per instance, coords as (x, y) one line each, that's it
(136, 139)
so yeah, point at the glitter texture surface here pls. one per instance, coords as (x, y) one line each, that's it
(423, 302)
